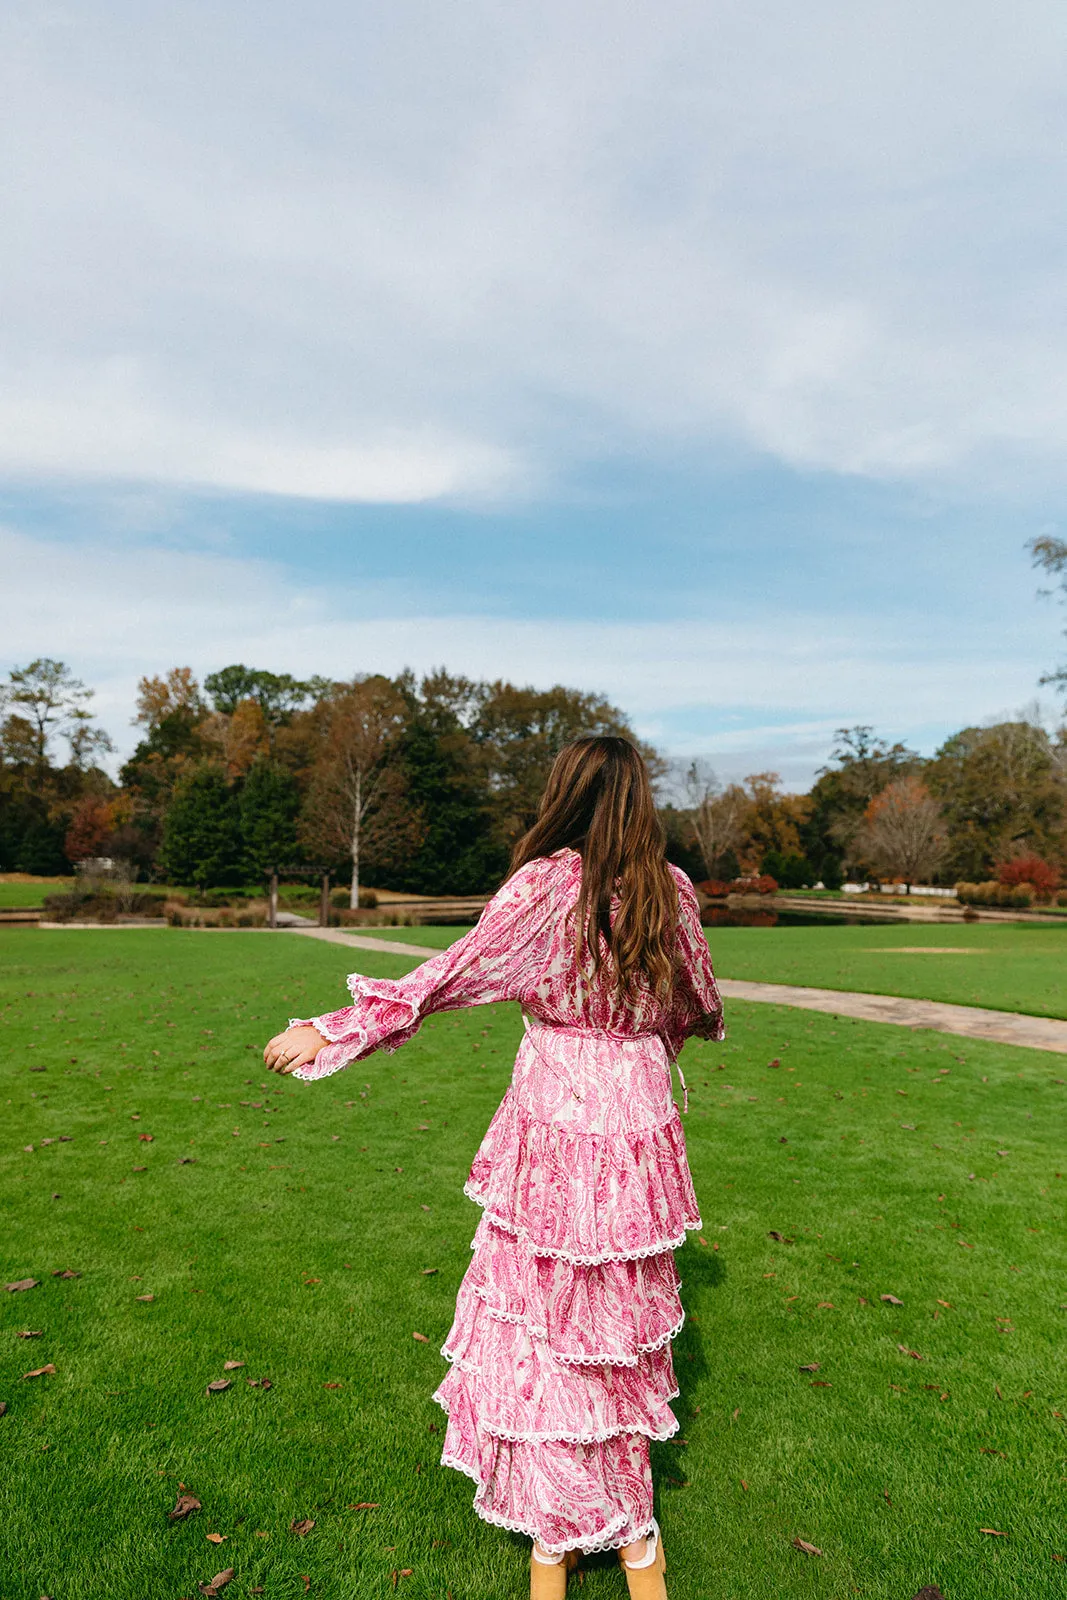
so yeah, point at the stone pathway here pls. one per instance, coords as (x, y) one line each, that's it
(969, 1022)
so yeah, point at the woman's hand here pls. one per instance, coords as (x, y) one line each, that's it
(293, 1048)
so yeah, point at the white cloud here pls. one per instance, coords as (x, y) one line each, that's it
(755, 692)
(421, 251)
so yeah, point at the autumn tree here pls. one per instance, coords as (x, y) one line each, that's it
(771, 820)
(519, 732)
(903, 833)
(237, 739)
(49, 699)
(172, 712)
(354, 794)
(861, 765)
(717, 815)
(91, 825)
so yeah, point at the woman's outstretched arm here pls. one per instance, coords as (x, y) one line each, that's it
(487, 964)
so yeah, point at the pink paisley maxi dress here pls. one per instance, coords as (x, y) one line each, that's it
(560, 1352)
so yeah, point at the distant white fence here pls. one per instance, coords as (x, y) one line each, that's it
(896, 888)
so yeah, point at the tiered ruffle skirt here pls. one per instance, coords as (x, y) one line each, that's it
(560, 1351)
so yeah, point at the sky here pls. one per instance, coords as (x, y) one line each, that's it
(711, 356)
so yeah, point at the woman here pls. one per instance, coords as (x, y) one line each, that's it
(560, 1353)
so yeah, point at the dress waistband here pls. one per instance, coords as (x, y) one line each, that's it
(580, 1029)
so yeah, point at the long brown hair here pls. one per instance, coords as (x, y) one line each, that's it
(598, 800)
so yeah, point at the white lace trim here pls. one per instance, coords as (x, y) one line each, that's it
(660, 1248)
(321, 1026)
(612, 1539)
(519, 1319)
(530, 1436)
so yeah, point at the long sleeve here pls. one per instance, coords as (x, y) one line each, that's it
(484, 966)
(696, 1005)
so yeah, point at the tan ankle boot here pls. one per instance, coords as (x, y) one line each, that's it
(548, 1579)
(645, 1579)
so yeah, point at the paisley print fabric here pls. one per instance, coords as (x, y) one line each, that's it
(560, 1359)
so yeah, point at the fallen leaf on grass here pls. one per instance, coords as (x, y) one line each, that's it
(187, 1503)
(808, 1549)
(890, 1299)
(3, 1407)
(423, 1208)
(22, 1283)
(303, 1527)
(217, 1385)
(30, 1333)
(820, 1383)
(946, 1303)
(219, 1581)
(812, 1366)
(217, 1538)
(186, 1161)
(774, 1234)
(231, 1366)
(365, 1505)
(825, 1305)
(906, 1352)
(145, 1297)
(40, 1372)
(138, 1169)
(931, 1592)
(987, 1450)
(331, 1386)
(428, 1272)
(146, 1138)
(998, 1533)
(421, 1337)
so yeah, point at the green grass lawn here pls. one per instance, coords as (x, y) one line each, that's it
(18, 895)
(294, 1232)
(1006, 966)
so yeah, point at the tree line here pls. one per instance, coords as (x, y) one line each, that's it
(424, 784)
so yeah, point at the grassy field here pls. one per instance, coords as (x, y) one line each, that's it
(20, 891)
(1006, 966)
(290, 1227)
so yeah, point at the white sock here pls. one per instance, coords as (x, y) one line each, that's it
(651, 1541)
(547, 1560)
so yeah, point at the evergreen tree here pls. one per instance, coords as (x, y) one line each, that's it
(459, 853)
(268, 806)
(201, 831)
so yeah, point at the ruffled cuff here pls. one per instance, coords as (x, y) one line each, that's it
(380, 1019)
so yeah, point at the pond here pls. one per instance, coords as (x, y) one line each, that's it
(754, 917)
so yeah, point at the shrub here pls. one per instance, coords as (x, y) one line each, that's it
(1019, 895)
(94, 904)
(1031, 871)
(761, 884)
(714, 888)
